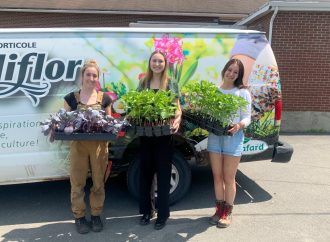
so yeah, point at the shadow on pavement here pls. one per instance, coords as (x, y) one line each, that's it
(116, 229)
(201, 193)
(27, 205)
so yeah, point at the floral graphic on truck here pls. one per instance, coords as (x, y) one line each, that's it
(265, 91)
(188, 56)
(33, 82)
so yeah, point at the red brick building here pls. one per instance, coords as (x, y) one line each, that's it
(299, 32)
(112, 13)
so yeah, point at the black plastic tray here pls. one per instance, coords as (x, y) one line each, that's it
(204, 123)
(85, 136)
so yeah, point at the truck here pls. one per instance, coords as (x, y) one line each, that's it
(39, 66)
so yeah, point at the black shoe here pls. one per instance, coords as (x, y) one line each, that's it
(160, 223)
(97, 224)
(145, 219)
(82, 225)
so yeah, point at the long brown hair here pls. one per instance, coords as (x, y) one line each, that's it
(239, 80)
(149, 74)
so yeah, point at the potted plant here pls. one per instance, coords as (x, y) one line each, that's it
(151, 111)
(85, 125)
(210, 109)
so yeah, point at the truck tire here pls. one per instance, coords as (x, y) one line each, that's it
(180, 178)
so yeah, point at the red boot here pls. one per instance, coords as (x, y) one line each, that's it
(225, 218)
(219, 204)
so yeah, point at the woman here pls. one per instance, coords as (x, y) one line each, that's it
(156, 152)
(85, 155)
(225, 151)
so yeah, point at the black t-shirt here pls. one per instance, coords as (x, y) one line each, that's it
(72, 101)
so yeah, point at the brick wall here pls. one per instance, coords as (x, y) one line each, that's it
(34, 20)
(301, 43)
(262, 24)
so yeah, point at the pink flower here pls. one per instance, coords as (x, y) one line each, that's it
(172, 47)
(112, 95)
(141, 76)
(98, 86)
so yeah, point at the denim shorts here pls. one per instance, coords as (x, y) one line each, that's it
(227, 145)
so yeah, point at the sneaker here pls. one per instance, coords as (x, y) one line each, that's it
(82, 225)
(97, 224)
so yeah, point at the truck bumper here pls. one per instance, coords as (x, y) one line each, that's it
(283, 152)
(279, 152)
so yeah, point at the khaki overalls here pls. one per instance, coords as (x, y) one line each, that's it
(85, 155)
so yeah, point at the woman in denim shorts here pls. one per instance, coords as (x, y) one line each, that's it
(225, 151)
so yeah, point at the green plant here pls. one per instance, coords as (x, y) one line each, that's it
(196, 132)
(204, 99)
(150, 108)
(262, 127)
(87, 121)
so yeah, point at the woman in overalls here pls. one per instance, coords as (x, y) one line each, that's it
(85, 155)
(156, 152)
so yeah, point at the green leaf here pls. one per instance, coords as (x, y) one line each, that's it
(150, 107)
(189, 73)
(178, 72)
(206, 100)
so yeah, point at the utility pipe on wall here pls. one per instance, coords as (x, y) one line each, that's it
(271, 25)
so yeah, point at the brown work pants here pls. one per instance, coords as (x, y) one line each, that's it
(85, 155)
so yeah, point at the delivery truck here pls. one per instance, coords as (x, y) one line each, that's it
(39, 66)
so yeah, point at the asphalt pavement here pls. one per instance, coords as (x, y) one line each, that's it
(274, 202)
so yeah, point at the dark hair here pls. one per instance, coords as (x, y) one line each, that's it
(164, 78)
(239, 81)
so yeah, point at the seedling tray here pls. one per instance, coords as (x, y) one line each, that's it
(204, 123)
(85, 136)
(149, 131)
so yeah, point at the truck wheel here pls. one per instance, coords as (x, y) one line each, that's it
(180, 178)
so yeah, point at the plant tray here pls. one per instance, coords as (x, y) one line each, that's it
(149, 131)
(205, 123)
(86, 136)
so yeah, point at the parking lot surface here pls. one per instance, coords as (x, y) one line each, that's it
(274, 202)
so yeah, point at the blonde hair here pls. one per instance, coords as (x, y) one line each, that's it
(90, 63)
(148, 77)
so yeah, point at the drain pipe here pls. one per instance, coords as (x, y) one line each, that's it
(271, 26)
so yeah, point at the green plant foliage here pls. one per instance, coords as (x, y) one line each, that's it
(197, 132)
(206, 100)
(261, 128)
(226, 42)
(118, 88)
(188, 74)
(149, 108)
